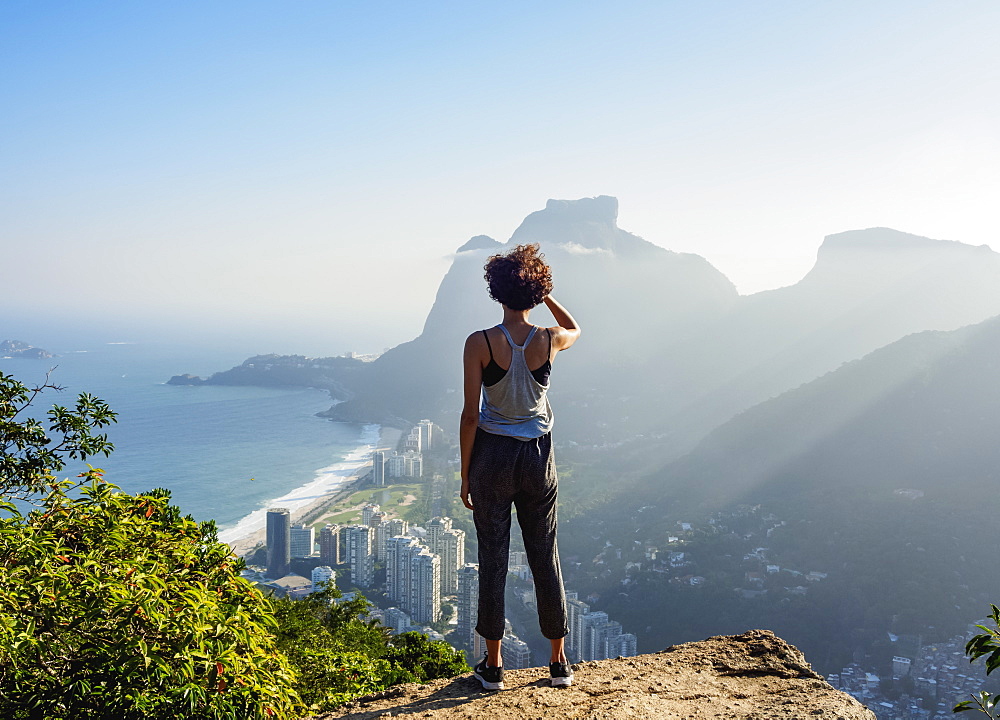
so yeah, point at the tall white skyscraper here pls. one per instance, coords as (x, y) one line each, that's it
(396, 465)
(413, 464)
(384, 531)
(381, 538)
(576, 610)
(449, 544)
(361, 554)
(426, 429)
(412, 443)
(596, 630)
(624, 645)
(425, 587)
(397, 526)
(467, 606)
(398, 551)
(302, 540)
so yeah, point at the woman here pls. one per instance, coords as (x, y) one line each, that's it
(507, 452)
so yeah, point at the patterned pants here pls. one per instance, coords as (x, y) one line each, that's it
(504, 470)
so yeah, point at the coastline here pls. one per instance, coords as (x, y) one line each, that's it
(309, 502)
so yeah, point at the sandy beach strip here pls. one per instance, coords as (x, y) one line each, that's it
(311, 501)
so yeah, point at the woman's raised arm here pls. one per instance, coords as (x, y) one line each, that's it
(568, 330)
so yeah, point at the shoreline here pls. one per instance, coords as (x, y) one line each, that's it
(310, 501)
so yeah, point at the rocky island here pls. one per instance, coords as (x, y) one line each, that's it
(339, 376)
(19, 349)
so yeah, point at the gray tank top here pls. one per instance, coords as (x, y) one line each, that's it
(517, 405)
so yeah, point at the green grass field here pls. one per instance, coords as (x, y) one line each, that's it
(389, 498)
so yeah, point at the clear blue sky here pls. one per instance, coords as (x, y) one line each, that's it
(299, 172)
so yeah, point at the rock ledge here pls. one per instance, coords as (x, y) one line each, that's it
(754, 675)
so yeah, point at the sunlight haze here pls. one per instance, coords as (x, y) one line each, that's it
(296, 177)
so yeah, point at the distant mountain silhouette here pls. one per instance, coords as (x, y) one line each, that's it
(669, 349)
(867, 289)
(921, 413)
(629, 295)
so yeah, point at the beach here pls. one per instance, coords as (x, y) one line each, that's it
(309, 502)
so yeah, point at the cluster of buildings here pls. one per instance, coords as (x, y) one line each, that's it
(418, 574)
(515, 652)
(406, 464)
(419, 569)
(423, 567)
(592, 635)
(927, 686)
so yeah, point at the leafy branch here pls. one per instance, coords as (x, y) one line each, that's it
(30, 453)
(987, 644)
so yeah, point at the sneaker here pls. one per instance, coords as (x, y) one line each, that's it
(561, 674)
(490, 677)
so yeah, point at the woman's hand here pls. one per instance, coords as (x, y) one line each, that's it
(466, 500)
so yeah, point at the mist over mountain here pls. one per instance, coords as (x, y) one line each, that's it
(884, 475)
(631, 297)
(867, 289)
(920, 413)
(669, 349)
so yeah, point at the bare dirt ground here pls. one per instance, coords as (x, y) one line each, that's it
(753, 676)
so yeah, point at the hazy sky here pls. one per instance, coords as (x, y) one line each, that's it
(296, 174)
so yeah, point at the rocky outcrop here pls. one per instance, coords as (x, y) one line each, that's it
(18, 349)
(186, 379)
(753, 675)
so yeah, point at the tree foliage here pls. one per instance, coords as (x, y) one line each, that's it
(338, 656)
(985, 644)
(114, 605)
(30, 454)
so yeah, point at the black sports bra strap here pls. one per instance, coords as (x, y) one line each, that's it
(488, 344)
(548, 331)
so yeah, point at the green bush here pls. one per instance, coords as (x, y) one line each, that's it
(337, 656)
(113, 605)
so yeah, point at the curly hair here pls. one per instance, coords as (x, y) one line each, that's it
(519, 279)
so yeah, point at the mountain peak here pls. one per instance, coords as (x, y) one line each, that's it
(581, 226)
(570, 220)
(480, 242)
(882, 238)
(602, 208)
(883, 255)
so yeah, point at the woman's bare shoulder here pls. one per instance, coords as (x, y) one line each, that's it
(475, 342)
(563, 338)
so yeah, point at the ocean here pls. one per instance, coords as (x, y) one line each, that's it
(225, 453)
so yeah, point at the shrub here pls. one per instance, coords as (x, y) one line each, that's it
(338, 656)
(113, 605)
